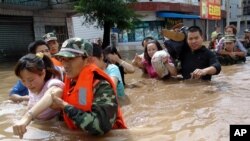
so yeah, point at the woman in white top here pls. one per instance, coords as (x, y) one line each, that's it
(38, 74)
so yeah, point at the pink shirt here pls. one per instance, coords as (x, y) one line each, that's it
(34, 98)
(149, 69)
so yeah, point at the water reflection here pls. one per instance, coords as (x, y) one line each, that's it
(157, 110)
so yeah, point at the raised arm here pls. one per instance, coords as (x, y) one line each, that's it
(138, 61)
(128, 68)
(219, 46)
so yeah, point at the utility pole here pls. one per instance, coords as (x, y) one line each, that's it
(239, 16)
(228, 11)
(244, 16)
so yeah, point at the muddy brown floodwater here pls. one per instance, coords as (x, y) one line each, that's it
(154, 110)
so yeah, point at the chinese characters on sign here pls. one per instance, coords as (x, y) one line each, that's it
(210, 9)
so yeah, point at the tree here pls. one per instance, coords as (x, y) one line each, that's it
(107, 14)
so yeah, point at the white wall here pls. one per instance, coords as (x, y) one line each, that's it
(234, 4)
(88, 32)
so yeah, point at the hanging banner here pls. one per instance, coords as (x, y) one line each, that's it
(210, 9)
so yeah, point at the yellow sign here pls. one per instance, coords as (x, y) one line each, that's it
(210, 9)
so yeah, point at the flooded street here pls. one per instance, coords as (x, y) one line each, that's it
(154, 110)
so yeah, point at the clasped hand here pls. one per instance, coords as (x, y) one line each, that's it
(197, 74)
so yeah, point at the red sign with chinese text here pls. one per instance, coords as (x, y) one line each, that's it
(210, 9)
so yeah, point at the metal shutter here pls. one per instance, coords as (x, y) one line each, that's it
(16, 33)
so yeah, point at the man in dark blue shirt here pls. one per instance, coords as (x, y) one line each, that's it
(197, 61)
(19, 92)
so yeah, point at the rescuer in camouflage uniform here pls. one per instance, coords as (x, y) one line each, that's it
(98, 113)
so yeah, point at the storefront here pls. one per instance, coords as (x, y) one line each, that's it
(142, 30)
(153, 28)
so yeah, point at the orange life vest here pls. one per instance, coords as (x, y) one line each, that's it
(56, 62)
(84, 85)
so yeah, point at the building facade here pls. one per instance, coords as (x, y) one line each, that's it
(157, 15)
(22, 22)
(239, 15)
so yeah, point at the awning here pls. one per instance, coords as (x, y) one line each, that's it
(176, 15)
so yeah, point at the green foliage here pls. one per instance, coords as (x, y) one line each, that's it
(116, 12)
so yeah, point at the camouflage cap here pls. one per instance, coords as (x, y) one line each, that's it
(229, 38)
(49, 36)
(74, 47)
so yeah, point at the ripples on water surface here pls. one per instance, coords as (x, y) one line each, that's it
(155, 110)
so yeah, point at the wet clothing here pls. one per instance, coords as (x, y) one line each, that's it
(225, 59)
(228, 60)
(198, 59)
(122, 72)
(19, 89)
(113, 71)
(34, 98)
(174, 48)
(149, 69)
(93, 103)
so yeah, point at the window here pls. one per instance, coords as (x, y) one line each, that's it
(60, 31)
